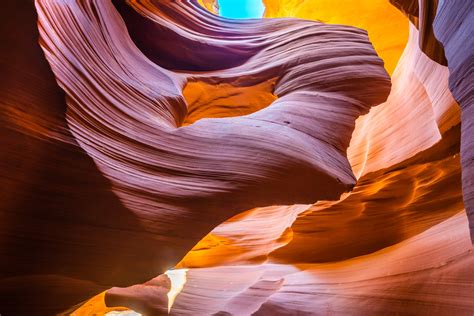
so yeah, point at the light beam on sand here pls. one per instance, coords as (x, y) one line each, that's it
(178, 279)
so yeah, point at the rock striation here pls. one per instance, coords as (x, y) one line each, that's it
(273, 163)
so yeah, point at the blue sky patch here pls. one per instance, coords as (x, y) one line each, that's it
(241, 9)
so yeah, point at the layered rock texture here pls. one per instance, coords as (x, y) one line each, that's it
(161, 159)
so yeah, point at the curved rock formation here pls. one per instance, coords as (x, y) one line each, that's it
(272, 162)
(458, 44)
(408, 278)
(449, 23)
(386, 26)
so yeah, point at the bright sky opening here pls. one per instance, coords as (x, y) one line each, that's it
(241, 9)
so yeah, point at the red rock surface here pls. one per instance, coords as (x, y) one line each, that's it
(275, 159)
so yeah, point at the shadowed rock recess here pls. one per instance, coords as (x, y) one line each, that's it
(160, 159)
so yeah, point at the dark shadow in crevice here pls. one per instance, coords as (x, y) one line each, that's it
(170, 50)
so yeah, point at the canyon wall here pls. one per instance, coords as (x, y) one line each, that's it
(281, 166)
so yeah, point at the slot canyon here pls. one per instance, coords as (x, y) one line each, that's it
(312, 157)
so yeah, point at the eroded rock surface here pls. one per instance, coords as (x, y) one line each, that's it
(274, 162)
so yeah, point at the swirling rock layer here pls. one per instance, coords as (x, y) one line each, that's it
(273, 161)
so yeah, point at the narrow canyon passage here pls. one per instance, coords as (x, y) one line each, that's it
(251, 157)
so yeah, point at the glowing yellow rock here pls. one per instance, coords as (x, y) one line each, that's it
(387, 27)
(210, 5)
